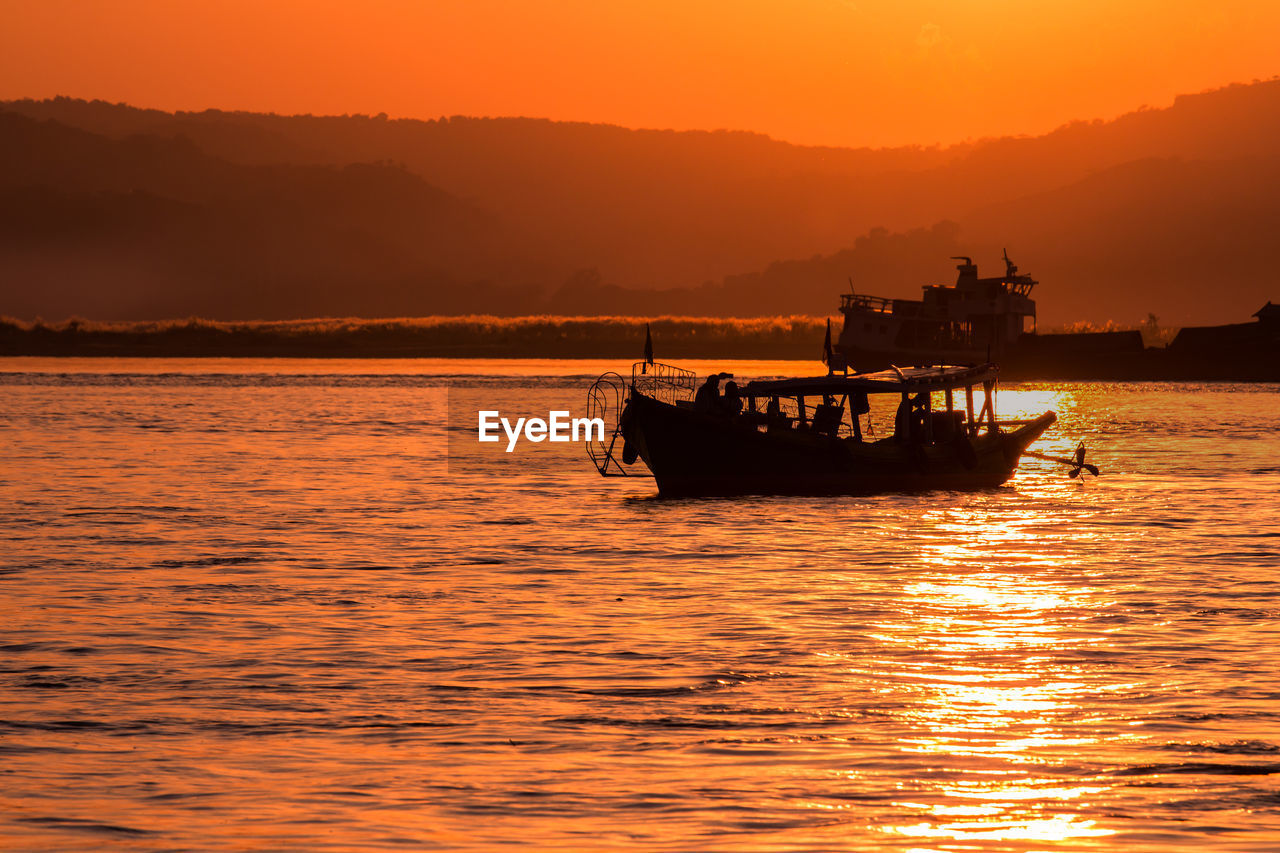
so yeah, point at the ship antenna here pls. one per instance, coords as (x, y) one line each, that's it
(851, 290)
(1010, 269)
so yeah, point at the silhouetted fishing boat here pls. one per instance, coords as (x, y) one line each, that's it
(805, 435)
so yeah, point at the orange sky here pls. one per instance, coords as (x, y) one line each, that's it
(847, 72)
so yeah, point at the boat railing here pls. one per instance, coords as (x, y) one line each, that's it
(606, 399)
(863, 302)
(789, 414)
(663, 382)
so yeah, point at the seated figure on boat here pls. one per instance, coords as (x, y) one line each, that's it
(708, 396)
(826, 419)
(859, 405)
(774, 417)
(908, 423)
(731, 403)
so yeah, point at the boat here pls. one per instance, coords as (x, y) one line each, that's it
(972, 321)
(806, 435)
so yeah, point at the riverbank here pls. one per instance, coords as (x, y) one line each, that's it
(796, 337)
(1232, 353)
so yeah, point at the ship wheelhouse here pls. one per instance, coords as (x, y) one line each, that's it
(973, 319)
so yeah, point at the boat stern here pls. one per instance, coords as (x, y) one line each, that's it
(1016, 442)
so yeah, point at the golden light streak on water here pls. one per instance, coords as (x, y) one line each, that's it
(1059, 828)
(985, 635)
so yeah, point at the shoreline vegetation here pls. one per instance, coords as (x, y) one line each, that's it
(471, 336)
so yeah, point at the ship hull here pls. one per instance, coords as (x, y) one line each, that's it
(1092, 355)
(866, 360)
(693, 453)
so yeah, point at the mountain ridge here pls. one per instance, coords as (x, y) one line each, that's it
(578, 214)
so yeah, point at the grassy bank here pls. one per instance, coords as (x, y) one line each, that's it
(425, 337)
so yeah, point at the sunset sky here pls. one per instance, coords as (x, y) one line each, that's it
(844, 72)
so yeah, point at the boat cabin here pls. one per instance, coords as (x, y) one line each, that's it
(818, 405)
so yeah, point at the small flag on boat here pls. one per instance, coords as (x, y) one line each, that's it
(648, 345)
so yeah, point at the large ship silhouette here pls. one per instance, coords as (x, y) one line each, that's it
(975, 320)
(972, 322)
(979, 320)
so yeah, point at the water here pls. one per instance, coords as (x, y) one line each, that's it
(248, 605)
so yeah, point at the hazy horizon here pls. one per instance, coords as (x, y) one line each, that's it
(817, 72)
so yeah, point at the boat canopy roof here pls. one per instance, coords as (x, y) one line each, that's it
(896, 379)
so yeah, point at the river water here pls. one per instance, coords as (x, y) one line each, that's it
(254, 605)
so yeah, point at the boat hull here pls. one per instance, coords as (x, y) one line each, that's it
(693, 453)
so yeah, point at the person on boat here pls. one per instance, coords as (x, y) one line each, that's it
(902, 421)
(919, 411)
(773, 416)
(859, 405)
(732, 402)
(908, 423)
(708, 397)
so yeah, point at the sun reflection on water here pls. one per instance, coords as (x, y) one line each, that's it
(975, 652)
(1058, 828)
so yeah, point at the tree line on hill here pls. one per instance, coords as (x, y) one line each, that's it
(114, 212)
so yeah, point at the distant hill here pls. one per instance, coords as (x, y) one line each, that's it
(1192, 241)
(150, 227)
(1146, 213)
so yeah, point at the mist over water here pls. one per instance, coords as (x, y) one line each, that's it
(253, 605)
